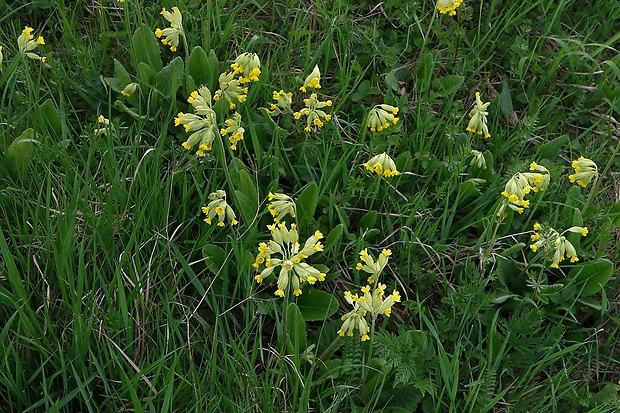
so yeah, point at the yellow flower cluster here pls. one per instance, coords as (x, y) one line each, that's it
(283, 103)
(203, 122)
(382, 164)
(314, 112)
(521, 184)
(280, 206)
(231, 90)
(373, 302)
(171, 34)
(448, 6)
(585, 171)
(478, 122)
(248, 66)
(26, 44)
(382, 117)
(234, 130)
(555, 245)
(284, 251)
(313, 80)
(220, 208)
(105, 126)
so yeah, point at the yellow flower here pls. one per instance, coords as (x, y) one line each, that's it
(313, 80)
(280, 206)
(478, 159)
(218, 207)
(230, 90)
(314, 112)
(283, 103)
(478, 122)
(234, 130)
(248, 65)
(26, 44)
(381, 117)
(448, 6)
(284, 251)
(105, 126)
(203, 122)
(371, 303)
(382, 165)
(171, 34)
(129, 90)
(585, 171)
(554, 245)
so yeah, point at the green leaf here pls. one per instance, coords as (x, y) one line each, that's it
(215, 258)
(168, 80)
(295, 329)
(551, 149)
(202, 68)
(145, 74)
(590, 277)
(317, 305)
(21, 149)
(306, 204)
(425, 71)
(145, 48)
(511, 250)
(447, 85)
(334, 236)
(368, 220)
(48, 119)
(248, 197)
(121, 74)
(505, 101)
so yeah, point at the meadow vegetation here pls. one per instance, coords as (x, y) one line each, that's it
(329, 206)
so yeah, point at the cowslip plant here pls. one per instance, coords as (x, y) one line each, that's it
(218, 207)
(554, 245)
(281, 205)
(520, 185)
(478, 118)
(382, 117)
(373, 301)
(382, 165)
(284, 251)
(585, 171)
(448, 6)
(171, 34)
(27, 43)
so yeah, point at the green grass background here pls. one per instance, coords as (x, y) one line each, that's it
(107, 302)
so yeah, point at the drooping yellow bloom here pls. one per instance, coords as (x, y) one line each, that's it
(129, 90)
(233, 130)
(283, 103)
(372, 267)
(478, 122)
(220, 208)
(230, 90)
(478, 159)
(26, 44)
(521, 184)
(248, 66)
(203, 122)
(313, 80)
(171, 34)
(105, 126)
(383, 165)
(371, 303)
(448, 6)
(281, 205)
(313, 111)
(285, 252)
(585, 171)
(382, 117)
(554, 245)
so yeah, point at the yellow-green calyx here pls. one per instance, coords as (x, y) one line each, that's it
(218, 207)
(283, 251)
